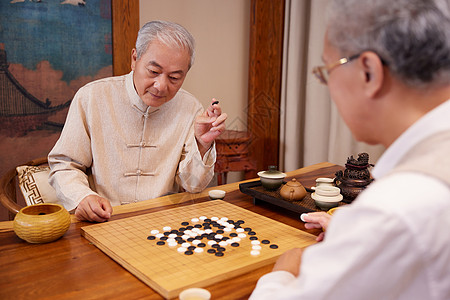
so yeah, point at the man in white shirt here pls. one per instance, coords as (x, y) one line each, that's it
(140, 135)
(387, 66)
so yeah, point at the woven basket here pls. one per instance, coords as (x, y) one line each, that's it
(41, 223)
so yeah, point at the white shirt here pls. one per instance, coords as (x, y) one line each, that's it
(392, 243)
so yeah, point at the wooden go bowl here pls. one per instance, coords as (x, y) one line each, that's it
(41, 223)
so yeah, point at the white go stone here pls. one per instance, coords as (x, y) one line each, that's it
(185, 245)
(172, 236)
(242, 235)
(172, 244)
(182, 249)
(167, 228)
(198, 250)
(196, 242)
(203, 218)
(159, 235)
(212, 243)
(239, 230)
(236, 239)
(227, 229)
(255, 242)
(208, 231)
(214, 219)
(224, 219)
(218, 236)
(194, 220)
(223, 243)
(154, 231)
(185, 236)
(254, 252)
(256, 247)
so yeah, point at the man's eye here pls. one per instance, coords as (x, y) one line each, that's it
(174, 78)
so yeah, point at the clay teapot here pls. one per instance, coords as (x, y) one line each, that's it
(293, 191)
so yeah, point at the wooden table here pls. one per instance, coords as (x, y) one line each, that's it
(72, 268)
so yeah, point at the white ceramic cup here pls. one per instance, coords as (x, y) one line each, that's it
(216, 194)
(195, 294)
(327, 191)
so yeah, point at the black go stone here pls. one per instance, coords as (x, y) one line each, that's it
(265, 242)
(211, 251)
(215, 246)
(188, 252)
(190, 227)
(253, 238)
(240, 221)
(273, 246)
(151, 237)
(225, 238)
(221, 227)
(207, 220)
(198, 226)
(201, 245)
(252, 233)
(234, 244)
(219, 254)
(164, 238)
(174, 231)
(220, 231)
(166, 233)
(191, 248)
(178, 238)
(184, 223)
(190, 239)
(160, 243)
(180, 241)
(221, 249)
(233, 234)
(179, 233)
(182, 229)
(247, 229)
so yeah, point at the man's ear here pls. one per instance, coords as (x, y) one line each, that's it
(372, 67)
(133, 58)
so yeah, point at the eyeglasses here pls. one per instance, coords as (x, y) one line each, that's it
(323, 72)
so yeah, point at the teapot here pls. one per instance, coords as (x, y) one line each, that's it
(293, 191)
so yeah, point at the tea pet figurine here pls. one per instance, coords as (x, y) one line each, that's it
(355, 178)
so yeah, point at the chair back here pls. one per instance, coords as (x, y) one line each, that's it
(8, 194)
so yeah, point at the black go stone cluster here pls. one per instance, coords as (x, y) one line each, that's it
(217, 228)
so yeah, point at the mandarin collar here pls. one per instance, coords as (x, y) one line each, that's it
(135, 100)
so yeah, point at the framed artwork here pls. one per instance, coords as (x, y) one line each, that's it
(48, 50)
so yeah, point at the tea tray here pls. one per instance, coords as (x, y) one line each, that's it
(259, 193)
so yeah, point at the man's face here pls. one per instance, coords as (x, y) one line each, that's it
(345, 88)
(159, 72)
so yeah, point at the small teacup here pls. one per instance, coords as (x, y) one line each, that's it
(216, 194)
(322, 181)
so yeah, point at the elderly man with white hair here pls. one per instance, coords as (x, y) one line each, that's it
(387, 66)
(140, 135)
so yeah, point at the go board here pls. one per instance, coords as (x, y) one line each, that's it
(135, 244)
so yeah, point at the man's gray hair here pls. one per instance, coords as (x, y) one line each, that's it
(411, 36)
(169, 33)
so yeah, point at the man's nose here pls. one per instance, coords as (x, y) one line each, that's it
(161, 83)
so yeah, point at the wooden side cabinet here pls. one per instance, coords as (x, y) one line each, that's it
(232, 154)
